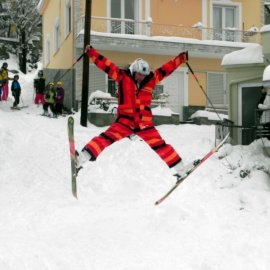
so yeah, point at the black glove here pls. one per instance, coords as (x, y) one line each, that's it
(184, 54)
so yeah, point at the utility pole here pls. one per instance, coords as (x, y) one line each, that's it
(85, 77)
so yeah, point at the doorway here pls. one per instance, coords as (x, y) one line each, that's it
(248, 98)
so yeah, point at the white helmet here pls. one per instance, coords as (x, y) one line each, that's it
(140, 66)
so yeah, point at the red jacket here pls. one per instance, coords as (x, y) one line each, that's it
(134, 100)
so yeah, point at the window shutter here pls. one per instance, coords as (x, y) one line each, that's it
(97, 80)
(216, 85)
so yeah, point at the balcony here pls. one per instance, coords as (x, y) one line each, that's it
(150, 29)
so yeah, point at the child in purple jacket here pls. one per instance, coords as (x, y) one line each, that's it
(60, 94)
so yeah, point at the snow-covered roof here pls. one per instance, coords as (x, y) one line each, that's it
(265, 28)
(164, 45)
(249, 55)
(266, 77)
(266, 73)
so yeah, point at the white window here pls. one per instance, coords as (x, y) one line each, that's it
(56, 35)
(68, 17)
(47, 52)
(123, 14)
(226, 20)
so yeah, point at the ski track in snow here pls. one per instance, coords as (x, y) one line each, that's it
(214, 220)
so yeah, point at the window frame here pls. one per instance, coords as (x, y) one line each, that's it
(47, 56)
(56, 35)
(266, 13)
(123, 25)
(68, 18)
(225, 4)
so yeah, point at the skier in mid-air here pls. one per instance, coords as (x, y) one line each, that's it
(135, 88)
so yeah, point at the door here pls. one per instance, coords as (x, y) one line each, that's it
(175, 85)
(249, 97)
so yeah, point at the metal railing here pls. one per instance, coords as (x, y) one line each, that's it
(259, 129)
(148, 28)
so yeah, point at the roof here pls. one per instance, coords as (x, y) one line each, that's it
(249, 55)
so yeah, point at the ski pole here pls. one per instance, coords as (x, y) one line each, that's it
(210, 102)
(78, 60)
(22, 101)
(80, 57)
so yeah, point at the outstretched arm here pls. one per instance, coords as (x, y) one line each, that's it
(113, 71)
(166, 69)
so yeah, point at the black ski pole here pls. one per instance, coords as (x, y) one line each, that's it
(209, 100)
(78, 60)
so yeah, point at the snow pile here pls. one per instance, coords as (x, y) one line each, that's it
(209, 115)
(163, 111)
(214, 220)
(98, 94)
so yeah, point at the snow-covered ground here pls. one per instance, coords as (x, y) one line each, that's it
(214, 220)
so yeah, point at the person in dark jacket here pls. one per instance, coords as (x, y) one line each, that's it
(60, 94)
(16, 91)
(136, 86)
(39, 85)
(261, 100)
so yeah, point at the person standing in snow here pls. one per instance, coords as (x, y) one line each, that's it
(60, 94)
(135, 89)
(50, 98)
(1, 84)
(16, 91)
(5, 80)
(265, 107)
(39, 85)
(261, 100)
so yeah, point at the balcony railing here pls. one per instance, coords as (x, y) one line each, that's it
(148, 28)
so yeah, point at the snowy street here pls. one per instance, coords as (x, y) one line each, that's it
(214, 220)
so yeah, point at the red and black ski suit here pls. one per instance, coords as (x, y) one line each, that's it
(134, 113)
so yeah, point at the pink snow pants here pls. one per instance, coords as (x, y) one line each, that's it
(5, 91)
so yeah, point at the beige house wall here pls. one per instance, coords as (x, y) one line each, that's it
(163, 12)
(61, 58)
(184, 12)
(251, 14)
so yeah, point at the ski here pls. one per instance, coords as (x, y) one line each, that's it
(18, 107)
(192, 169)
(72, 155)
(49, 115)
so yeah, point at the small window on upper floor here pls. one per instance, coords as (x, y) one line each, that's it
(225, 22)
(123, 16)
(56, 35)
(68, 17)
(47, 51)
(266, 12)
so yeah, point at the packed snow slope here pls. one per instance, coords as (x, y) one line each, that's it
(214, 220)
